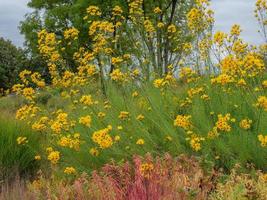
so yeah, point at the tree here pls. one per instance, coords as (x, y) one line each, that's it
(12, 60)
(58, 15)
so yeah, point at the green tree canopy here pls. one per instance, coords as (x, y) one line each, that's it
(12, 60)
(58, 15)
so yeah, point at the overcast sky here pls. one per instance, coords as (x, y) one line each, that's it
(227, 12)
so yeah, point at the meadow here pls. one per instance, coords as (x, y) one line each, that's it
(180, 114)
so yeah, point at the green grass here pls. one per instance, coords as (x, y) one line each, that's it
(160, 110)
(17, 160)
(238, 146)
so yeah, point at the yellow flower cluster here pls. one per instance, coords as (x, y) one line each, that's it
(71, 33)
(41, 124)
(28, 93)
(53, 156)
(135, 9)
(124, 115)
(102, 138)
(245, 124)
(47, 45)
(118, 76)
(235, 30)
(163, 82)
(27, 111)
(146, 169)
(223, 122)
(171, 28)
(194, 18)
(140, 141)
(116, 60)
(70, 141)
(263, 140)
(149, 27)
(183, 121)
(86, 121)
(94, 152)
(222, 79)
(262, 102)
(195, 142)
(70, 170)
(140, 117)
(87, 100)
(157, 10)
(117, 11)
(219, 37)
(188, 74)
(195, 91)
(93, 11)
(200, 17)
(22, 140)
(60, 123)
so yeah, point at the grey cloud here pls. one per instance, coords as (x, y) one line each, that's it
(11, 13)
(229, 12)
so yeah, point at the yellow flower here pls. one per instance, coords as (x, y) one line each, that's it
(124, 115)
(49, 149)
(86, 121)
(149, 27)
(168, 138)
(28, 93)
(160, 25)
(195, 142)
(140, 117)
(158, 83)
(135, 72)
(22, 140)
(219, 37)
(222, 79)
(263, 140)
(222, 123)
(135, 94)
(146, 169)
(56, 127)
(71, 33)
(94, 152)
(236, 30)
(37, 157)
(117, 138)
(102, 138)
(245, 124)
(183, 121)
(264, 84)
(140, 142)
(171, 29)
(70, 170)
(101, 115)
(262, 102)
(213, 133)
(93, 11)
(157, 10)
(116, 60)
(54, 157)
(118, 76)
(117, 11)
(87, 100)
